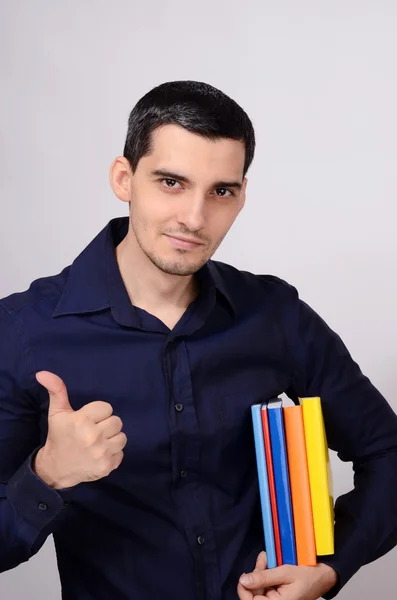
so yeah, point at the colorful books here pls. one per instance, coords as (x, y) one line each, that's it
(294, 481)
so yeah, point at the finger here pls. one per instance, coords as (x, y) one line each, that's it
(97, 411)
(117, 443)
(266, 578)
(117, 460)
(110, 427)
(272, 594)
(269, 594)
(261, 562)
(243, 594)
(58, 395)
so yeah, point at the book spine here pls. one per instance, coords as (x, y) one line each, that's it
(272, 488)
(319, 475)
(300, 486)
(282, 484)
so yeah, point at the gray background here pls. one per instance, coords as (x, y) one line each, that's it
(319, 82)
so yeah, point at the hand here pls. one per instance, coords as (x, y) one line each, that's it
(289, 582)
(244, 594)
(82, 445)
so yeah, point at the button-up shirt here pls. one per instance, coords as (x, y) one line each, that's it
(180, 518)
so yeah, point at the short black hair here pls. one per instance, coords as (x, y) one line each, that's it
(194, 105)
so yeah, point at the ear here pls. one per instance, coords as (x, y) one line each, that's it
(243, 194)
(120, 178)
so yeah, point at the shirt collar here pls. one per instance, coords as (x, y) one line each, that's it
(94, 281)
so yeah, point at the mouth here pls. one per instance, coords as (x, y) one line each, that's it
(182, 242)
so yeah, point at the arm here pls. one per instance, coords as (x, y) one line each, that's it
(28, 507)
(362, 428)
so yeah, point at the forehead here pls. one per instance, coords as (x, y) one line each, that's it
(176, 148)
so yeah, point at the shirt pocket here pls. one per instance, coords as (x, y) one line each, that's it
(231, 435)
(235, 422)
(234, 413)
(228, 454)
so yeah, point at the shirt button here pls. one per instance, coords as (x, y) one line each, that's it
(43, 506)
(183, 474)
(179, 407)
(201, 540)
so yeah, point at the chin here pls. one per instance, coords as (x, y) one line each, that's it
(180, 267)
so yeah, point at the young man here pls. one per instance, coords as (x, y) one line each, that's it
(126, 383)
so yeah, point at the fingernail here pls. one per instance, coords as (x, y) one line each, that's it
(246, 579)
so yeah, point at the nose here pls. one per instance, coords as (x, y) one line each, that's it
(192, 216)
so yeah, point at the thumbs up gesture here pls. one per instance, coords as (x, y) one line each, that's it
(82, 445)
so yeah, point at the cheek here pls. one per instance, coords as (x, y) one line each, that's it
(220, 222)
(148, 211)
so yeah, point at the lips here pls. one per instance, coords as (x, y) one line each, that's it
(183, 242)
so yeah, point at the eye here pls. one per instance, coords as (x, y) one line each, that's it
(170, 183)
(224, 193)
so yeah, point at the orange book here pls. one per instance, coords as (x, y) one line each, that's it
(300, 486)
(272, 489)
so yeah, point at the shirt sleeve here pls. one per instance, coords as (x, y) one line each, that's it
(28, 507)
(362, 428)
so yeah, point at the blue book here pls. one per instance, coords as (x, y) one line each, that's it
(281, 481)
(263, 486)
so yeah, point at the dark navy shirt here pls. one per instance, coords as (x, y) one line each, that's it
(180, 518)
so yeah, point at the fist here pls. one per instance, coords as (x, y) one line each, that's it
(82, 445)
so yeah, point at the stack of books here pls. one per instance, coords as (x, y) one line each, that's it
(295, 481)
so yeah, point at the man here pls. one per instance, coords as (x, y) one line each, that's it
(126, 383)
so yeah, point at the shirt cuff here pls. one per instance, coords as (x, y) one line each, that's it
(34, 500)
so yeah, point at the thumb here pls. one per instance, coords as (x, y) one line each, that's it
(59, 400)
(267, 578)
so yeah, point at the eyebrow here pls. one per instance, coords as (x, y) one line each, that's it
(218, 184)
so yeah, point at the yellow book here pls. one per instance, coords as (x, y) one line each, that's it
(320, 476)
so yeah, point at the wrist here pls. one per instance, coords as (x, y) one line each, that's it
(329, 576)
(42, 466)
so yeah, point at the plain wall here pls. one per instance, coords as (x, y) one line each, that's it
(319, 82)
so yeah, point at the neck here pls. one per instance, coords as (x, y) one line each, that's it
(148, 287)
